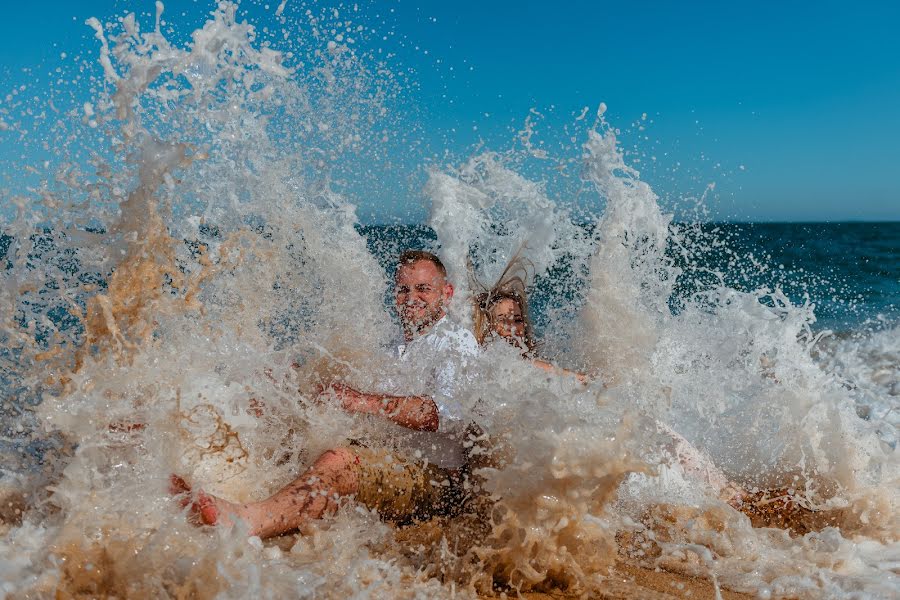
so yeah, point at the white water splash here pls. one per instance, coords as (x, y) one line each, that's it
(225, 145)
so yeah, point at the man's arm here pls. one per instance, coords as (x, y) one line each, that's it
(412, 412)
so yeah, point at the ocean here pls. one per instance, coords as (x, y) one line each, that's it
(188, 272)
(849, 271)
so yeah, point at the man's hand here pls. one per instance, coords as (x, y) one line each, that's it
(412, 412)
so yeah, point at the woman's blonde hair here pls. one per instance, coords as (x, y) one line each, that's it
(511, 285)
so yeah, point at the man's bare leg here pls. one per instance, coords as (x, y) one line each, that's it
(317, 492)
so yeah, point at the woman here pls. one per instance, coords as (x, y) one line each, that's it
(501, 312)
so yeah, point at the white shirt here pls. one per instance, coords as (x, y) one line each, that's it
(442, 358)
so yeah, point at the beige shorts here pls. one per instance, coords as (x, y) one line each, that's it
(402, 490)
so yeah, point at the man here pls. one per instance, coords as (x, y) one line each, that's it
(397, 488)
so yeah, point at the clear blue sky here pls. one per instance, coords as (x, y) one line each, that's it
(791, 109)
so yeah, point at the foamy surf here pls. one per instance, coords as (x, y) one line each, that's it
(176, 310)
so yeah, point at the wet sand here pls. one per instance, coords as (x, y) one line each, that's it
(627, 579)
(631, 582)
(634, 582)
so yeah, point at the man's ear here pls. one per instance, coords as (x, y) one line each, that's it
(448, 291)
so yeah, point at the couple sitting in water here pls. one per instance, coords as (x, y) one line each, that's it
(439, 481)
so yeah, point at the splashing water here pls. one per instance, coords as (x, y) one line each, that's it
(179, 287)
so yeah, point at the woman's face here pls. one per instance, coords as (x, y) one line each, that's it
(508, 322)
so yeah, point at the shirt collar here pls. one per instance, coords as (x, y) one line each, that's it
(404, 345)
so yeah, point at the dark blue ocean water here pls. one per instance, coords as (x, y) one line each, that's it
(849, 271)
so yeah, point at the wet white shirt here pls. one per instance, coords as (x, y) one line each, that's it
(443, 358)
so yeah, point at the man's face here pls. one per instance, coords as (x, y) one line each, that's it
(421, 294)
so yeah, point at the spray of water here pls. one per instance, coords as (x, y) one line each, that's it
(175, 295)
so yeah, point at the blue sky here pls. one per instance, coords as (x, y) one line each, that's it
(791, 109)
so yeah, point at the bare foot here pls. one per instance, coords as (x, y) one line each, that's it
(204, 508)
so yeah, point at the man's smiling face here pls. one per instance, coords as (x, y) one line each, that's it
(420, 294)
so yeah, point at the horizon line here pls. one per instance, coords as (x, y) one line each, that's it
(719, 222)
